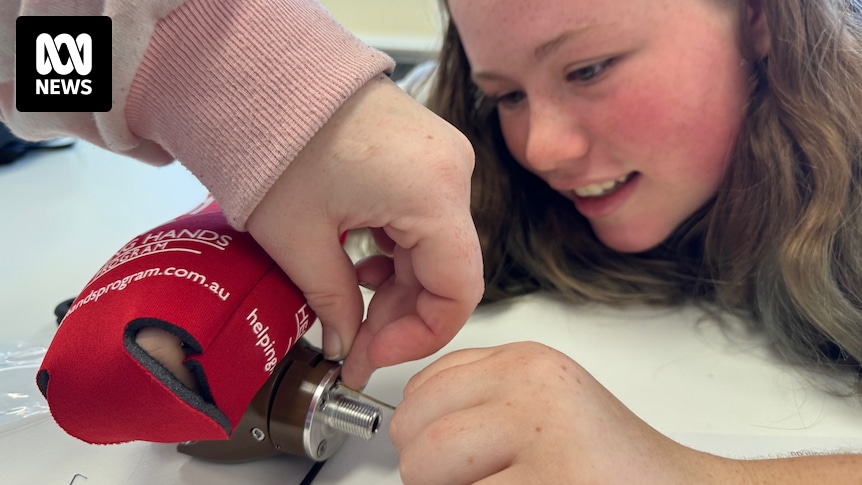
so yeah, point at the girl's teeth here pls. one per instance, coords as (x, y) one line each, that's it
(597, 190)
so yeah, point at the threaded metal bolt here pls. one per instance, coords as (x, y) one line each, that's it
(336, 412)
(351, 416)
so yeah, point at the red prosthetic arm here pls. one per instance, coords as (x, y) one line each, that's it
(234, 310)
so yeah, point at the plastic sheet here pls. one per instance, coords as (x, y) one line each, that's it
(19, 397)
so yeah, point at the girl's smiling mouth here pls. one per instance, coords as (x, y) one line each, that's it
(600, 200)
(602, 189)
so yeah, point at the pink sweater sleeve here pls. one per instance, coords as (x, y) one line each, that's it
(234, 89)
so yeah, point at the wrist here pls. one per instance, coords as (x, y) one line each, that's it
(708, 469)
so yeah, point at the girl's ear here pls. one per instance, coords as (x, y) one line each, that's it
(757, 29)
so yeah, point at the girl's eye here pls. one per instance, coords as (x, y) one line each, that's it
(588, 74)
(508, 99)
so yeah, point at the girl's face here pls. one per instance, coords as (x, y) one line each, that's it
(629, 108)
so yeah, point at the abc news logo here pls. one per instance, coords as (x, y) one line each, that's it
(63, 64)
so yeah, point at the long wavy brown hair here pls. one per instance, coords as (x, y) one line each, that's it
(781, 241)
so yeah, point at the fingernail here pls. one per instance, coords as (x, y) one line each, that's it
(332, 348)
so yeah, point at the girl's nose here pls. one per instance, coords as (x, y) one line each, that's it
(556, 139)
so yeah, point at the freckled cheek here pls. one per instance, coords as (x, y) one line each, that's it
(640, 122)
(666, 135)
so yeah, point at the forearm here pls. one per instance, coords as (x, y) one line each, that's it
(237, 122)
(692, 466)
(832, 469)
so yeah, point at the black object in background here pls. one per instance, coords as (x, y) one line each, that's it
(62, 309)
(12, 148)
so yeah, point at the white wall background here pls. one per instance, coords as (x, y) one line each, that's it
(402, 27)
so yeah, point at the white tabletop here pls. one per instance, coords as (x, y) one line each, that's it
(62, 214)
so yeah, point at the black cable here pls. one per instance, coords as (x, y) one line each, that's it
(309, 477)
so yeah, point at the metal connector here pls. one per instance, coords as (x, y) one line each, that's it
(303, 409)
(347, 414)
(334, 412)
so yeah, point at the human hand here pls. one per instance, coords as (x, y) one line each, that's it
(382, 161)
(525, 413)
